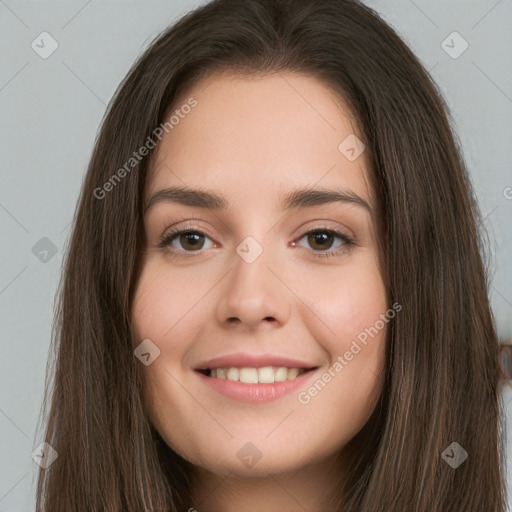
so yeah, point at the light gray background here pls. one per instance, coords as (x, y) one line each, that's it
(51, 109)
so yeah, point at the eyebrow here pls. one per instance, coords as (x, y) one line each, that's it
(299, 198)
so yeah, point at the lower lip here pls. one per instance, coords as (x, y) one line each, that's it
(255, 393)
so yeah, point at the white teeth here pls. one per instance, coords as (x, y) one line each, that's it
(248, 375)
(292, 373)
(264, 375)
(232, 374)
(281, 374)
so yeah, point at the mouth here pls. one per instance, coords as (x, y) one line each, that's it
(255, 375)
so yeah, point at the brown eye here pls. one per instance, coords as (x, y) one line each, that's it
(190, 241)
(320, 240)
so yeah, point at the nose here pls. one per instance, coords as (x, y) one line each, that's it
(254, 294)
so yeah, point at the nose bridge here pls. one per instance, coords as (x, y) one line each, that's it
(253, 293)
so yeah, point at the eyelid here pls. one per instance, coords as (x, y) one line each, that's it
(326, 225)
(348, 242)
(189, 225)
(175, 232)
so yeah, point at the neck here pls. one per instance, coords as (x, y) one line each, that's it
(315, 488)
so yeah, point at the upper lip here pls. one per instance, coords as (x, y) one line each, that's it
(245, 360)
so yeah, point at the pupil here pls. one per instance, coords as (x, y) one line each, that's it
(320, 237)
(190, 238)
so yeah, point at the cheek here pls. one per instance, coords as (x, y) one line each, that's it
(351, 319)
(347, 301)
(156, 313)
(160, 301)
(159, 314)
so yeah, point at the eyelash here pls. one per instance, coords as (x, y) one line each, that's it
(168, 238)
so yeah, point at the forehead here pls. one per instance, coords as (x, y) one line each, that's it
(260, 134)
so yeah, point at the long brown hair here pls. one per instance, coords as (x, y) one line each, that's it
(441, 384)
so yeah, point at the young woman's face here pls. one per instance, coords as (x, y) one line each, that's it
(251, 282)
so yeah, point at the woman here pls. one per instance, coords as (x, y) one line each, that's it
(274, 297)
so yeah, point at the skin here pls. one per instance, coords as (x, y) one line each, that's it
(252, 139)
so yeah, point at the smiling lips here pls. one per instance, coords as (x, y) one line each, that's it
(251, 375)
(254, 368)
